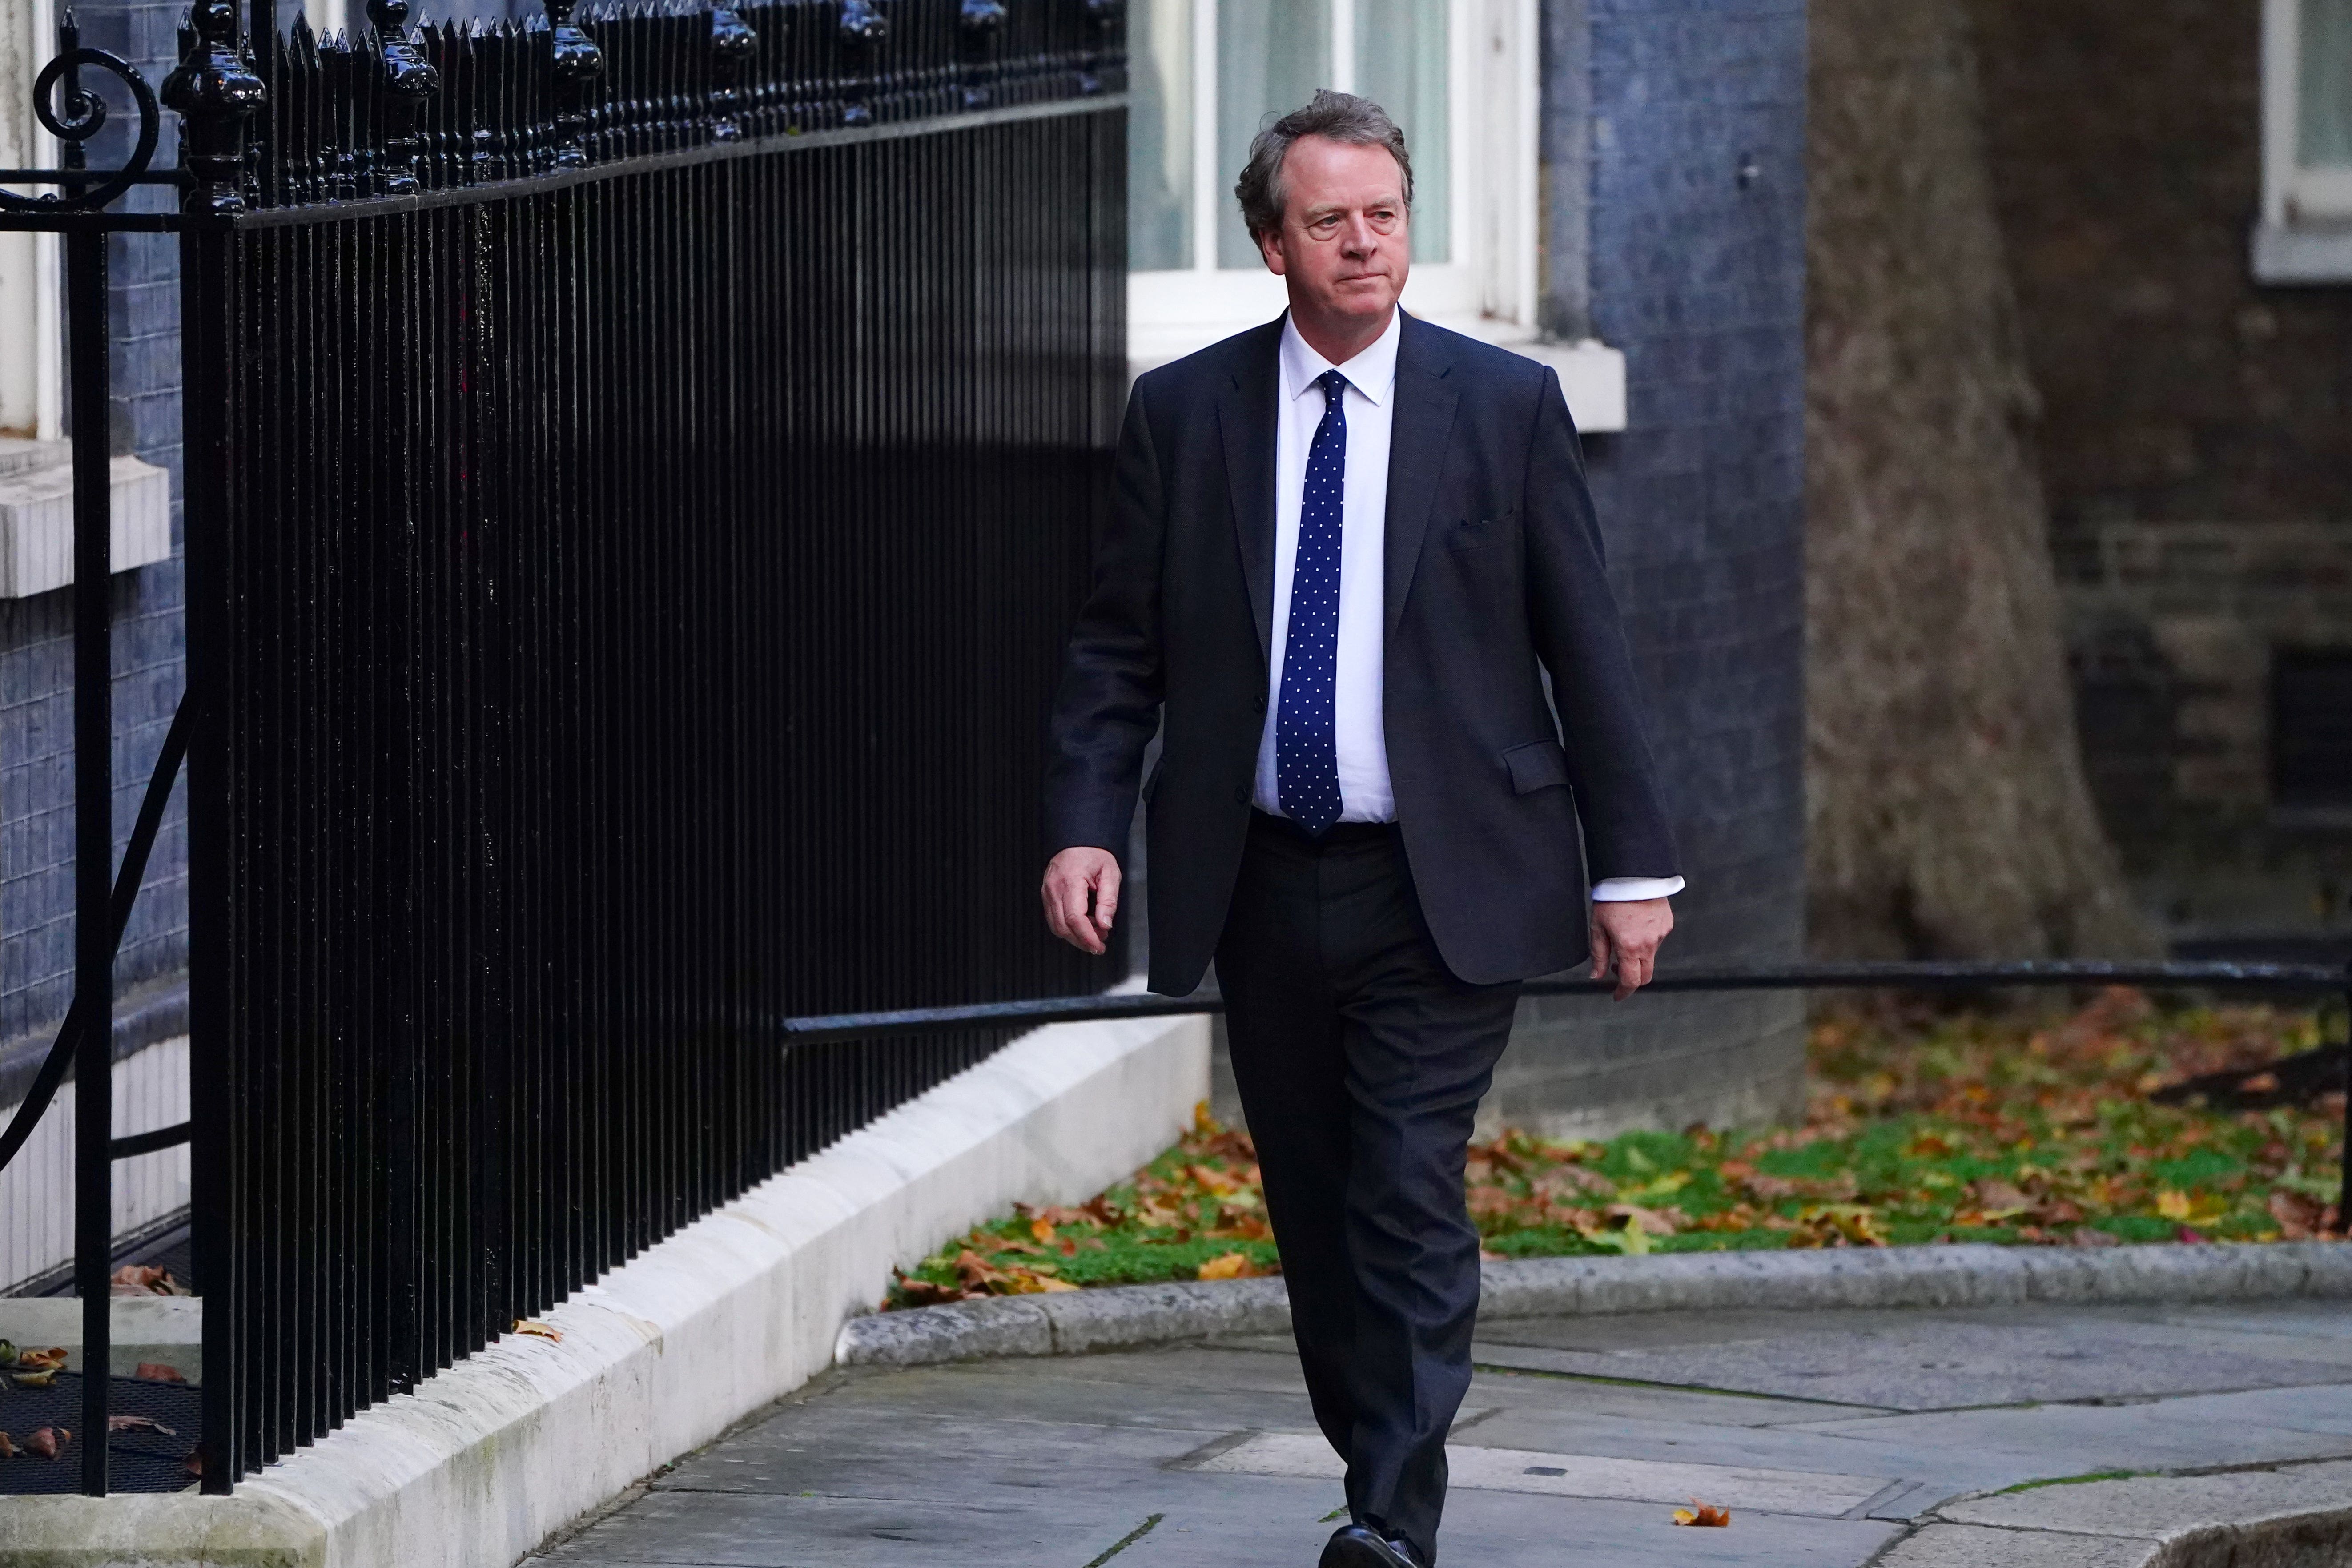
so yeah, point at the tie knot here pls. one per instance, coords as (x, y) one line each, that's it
(1333, 383)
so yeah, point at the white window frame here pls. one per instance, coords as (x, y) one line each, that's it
(1487, 287)
(2305, 233)
(32, 380)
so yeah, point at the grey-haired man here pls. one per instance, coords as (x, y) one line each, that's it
(1346, 548)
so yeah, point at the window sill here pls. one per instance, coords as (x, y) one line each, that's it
(2303, 254)
(36, 516)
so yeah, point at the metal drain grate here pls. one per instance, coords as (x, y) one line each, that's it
(141, 1461)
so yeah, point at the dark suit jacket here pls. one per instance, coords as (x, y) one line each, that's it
(1495, 576)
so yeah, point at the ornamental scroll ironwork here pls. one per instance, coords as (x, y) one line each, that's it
(77, 120)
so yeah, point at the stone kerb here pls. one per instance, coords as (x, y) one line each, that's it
(1960, 1276)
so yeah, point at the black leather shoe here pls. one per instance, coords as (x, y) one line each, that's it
(1353, 1546)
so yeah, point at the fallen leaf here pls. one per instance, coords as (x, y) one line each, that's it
(1703, 1515)
(1631, 1239)
(7, 1353)
(41, 1361)
(1657, 1222)
(8, 1448)
(195, 1463)
(1042, 1228)
(157, 1371)
(35, 1379)
(2000, 1200)
(2298, 1217)
(144, 1279)
(1229, 1266)
(138, 1424)
(537, 1330)
(1490, 1202)
(44, 1443)
(914, 1292)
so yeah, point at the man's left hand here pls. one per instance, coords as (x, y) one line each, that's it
(1625, 938)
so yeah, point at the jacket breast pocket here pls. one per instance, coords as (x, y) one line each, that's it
(1478, 532)
(1539, 764)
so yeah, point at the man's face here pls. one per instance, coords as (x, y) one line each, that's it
(1346, 241)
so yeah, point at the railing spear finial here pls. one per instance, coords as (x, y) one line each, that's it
(578, 63)
(733, 43)
(214, 90)
(406, 82)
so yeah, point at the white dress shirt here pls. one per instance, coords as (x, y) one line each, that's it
(1370, 405)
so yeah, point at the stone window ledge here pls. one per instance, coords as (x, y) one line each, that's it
(2302, 253)
(36, 516)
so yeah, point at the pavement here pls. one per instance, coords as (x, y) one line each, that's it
(2208, 1433)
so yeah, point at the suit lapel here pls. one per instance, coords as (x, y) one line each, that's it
(1420, 428)
(1245, 414)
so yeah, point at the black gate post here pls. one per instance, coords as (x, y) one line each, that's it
(93, 623)
(215, 91)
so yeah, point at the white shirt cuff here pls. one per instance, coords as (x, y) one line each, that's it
(1631, 890)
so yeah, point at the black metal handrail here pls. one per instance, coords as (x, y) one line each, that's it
(2293, 979)
(2300, 978)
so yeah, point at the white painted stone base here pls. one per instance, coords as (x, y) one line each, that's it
(487, 1460)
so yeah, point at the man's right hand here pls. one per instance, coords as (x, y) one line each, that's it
(1081, 894)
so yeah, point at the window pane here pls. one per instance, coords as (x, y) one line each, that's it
(1400, 66)
(2326, 88)
(1159, 135)
(1271, 56)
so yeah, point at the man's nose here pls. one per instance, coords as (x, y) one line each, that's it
(1357, 238)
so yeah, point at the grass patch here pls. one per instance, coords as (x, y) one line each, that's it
(2072, 1480)
(1921, 1127)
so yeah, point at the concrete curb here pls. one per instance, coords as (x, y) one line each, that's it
(1123, 1317)
(2281, 1516)
(487, 1460)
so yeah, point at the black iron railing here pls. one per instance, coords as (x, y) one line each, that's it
(639, 471)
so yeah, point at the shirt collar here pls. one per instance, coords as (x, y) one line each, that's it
(1371, 373)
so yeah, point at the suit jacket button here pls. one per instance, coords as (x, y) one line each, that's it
(1241, 795)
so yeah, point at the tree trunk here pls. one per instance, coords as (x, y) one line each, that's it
(1947, 809)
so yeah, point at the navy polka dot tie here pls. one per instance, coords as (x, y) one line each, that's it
(1306, 740)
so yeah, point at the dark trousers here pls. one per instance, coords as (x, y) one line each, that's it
(1361, 1061)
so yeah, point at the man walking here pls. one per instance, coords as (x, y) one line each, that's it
(1346, 551)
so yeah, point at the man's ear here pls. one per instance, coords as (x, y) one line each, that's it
(1269, 245)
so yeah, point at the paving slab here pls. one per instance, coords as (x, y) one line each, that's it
(1939, 1362)
(1487, 1469)
(1910, 1425)
(2157, 1507)
(1502, 1530)
(1975, 1546)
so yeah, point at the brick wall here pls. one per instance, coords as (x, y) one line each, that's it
(37, 816)
(2196, 439)
(1695, 270)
